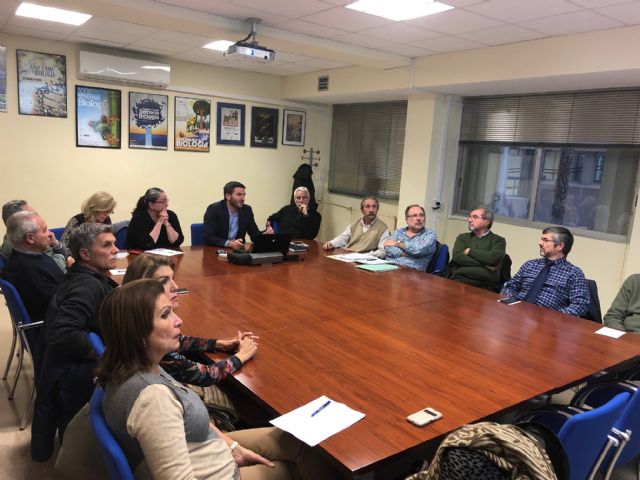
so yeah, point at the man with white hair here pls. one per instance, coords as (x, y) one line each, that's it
(34, 274)
(298, 219)
(65, 378)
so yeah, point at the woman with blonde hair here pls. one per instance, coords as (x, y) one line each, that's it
(95, 209)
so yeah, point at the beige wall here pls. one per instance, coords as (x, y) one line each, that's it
(41, 163)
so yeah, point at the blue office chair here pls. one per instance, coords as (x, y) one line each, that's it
(626, 430)
(121, 238)
(57, 232)
(197, 234)
(96, 344)
(275, 226)
(440, 259)
(583, 435)
(117, 464)
(26, 335)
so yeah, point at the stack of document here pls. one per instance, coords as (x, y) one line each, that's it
(165, 252)
(317, 420)
(355, 257)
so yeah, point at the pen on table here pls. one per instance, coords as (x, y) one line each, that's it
(322, 407)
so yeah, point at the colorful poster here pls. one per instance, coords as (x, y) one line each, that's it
(230, 129)
(98, 117)
(192, 124)
(3, 79)
(42, 84)
(148, 121)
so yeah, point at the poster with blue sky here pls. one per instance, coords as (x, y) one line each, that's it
(148, 121)
(98, 117)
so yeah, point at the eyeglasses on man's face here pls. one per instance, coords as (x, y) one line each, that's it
(416, 215)
(477, 217)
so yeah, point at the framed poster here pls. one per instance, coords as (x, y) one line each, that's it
(3, 79)
(293, 125)
(264, 127)
(42, 84)
(192, 117)
(148, 121)
(98, 117)
(230, 126)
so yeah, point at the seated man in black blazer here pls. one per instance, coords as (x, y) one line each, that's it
(228, 221)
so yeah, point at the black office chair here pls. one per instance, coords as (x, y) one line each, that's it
(593, 309)
(505, 272)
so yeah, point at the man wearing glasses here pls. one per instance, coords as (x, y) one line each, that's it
(414, 245)
(477, 256)
(552, 281)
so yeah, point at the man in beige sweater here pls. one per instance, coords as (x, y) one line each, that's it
(366, 234)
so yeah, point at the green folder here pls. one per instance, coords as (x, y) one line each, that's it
(382, 267)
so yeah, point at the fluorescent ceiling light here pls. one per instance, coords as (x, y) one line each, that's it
(51, 14)
(399, 9)
(220, 45)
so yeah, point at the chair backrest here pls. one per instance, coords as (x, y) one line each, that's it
(57, 232)
(116, 461)
(440, 259)
(18, 312)
(275, 226)
(593, 309)
(630, 420)
(584, 435)
(197, 234)
(505, 271)
(121, 238)
(96, 344)
(1, 262)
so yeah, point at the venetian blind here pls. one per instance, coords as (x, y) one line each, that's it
(599, 118)
(367, 144)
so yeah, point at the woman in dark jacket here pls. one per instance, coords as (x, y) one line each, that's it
(152, 224)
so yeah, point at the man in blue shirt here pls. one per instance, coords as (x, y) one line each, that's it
(414, 245)
(552, 281)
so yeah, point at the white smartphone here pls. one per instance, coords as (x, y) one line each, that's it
(425, 416)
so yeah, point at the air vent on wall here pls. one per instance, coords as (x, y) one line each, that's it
(132, 71)
(323, 83)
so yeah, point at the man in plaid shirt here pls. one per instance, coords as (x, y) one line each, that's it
(552, 281)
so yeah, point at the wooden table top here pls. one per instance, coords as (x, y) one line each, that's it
(387, 344)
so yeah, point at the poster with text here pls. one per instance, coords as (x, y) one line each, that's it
(264, 127)
(98, 117)
(148, 121)
(3, 79)
(42, 84)
(192, 124)
(230, 126)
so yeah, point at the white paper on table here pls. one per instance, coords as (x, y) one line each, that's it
(122, 254)
(165, 252)
(118, 271)
(332, 419)
(373, 261)
(610, 332)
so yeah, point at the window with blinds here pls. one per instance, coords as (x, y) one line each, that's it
(567, 159)
(367, 144)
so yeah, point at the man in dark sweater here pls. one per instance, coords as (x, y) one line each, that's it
(34, 274)
(477, 255)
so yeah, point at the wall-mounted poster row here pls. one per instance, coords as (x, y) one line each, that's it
(42, 90)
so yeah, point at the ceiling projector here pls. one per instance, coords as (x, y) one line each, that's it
(251, 49)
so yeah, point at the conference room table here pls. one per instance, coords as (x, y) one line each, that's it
(386, 344)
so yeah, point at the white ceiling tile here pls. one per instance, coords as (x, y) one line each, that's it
(307, 28)
(339, 3)
(34, 33)
(448, 44)
(226, 9)
(599, 3)
(455, 21)
(346, 19)
(107, 36)
(9, 7)
(95, 41)
(522, 10)
(286, 8)
(321, 63)
(461, 3)
(295, 68)
(289, 57)
(199, 5)
(400, 33)
(572, 23)
(406, 50)
(35, 24)
(165, 48)
(502, 35)
(178, 37)
(116, 26)
(361, 40)
(628, 13)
